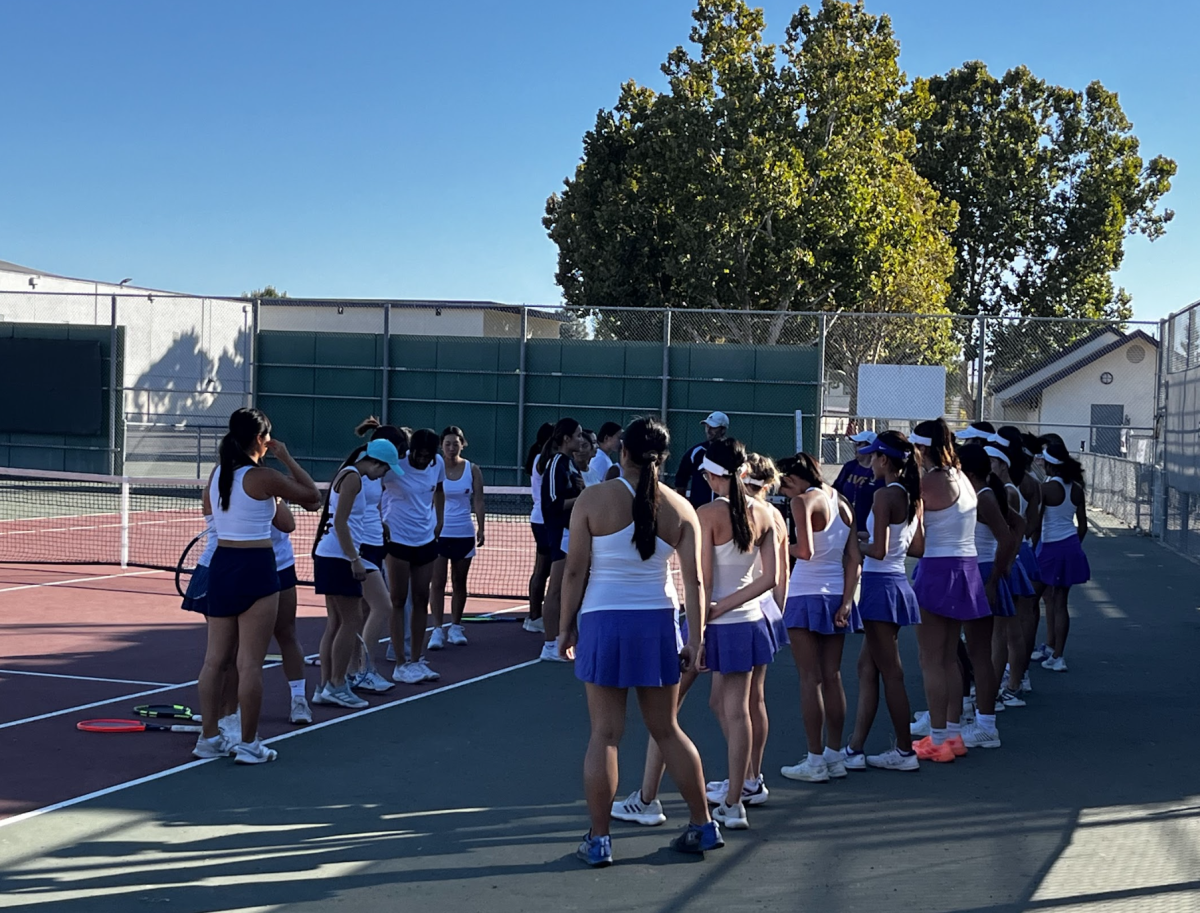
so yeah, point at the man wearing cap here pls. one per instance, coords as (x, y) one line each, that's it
(856, 482)
(715, 427)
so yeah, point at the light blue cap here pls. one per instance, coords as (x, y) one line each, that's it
(385, 452)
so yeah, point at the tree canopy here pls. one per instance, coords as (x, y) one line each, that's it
(267, 291)
(811, 176)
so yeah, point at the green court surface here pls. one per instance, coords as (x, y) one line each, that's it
(471, 800)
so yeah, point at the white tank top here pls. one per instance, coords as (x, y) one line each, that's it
(247, 518)
(535, 479)
(408, 501)
(329, 546)
(900, 537)
(459, 493)
(731, 570)
(372, 496)
(619, 580)
(1058, 522)
(282, 543)
(210, 542)
(823, 574)
(950, 532)
(985, 539)
(1020, 497)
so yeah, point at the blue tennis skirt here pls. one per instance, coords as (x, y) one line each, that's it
(195, 599)
(951, 587)
(776, 626)
(238, 578)
(1028, 561)
(815, 613)
(628, 648)
(738, 647)
(888, 597)
(335, 577)
(1004, 607)
(1019, 580)
(1063, 563)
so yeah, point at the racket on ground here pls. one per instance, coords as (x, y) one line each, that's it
(131, 726)
(187, 562)
(167, 712)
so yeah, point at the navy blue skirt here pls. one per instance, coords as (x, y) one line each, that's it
(196, 597)
(816, 614)
(1004, 607)
(888, 597)
(1028, 560)
(628, 648)
(287, 578)
(738, 647)
(335, 577)
(238, 578)
(373, 556)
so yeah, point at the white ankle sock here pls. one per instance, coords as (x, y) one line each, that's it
(297, 687)
(986, 721)
(938, 736)
(954, 728)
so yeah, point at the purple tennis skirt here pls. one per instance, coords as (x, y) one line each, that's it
(628, 648)
(1019, 581)
(888, 597)
(1004, 607)
(1063, 563)
(737, 647)
(776, 626)
(952, 588)
(816, 613)
(1028, 560)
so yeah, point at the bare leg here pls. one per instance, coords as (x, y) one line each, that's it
(606, 709)
(806, 652)
(218, 657)
(759, 723)
(1020, 644)
(979, 646)
(936, 636)
(868, 694)
(653, 771)
(537, 585)
(735, 721)
(285, 636)
(398, 576)
(1062, 619)
(551, 607)
(379, 612)
(333, 621)
(882, 644)
(345, 642)
(437, 591)
(658, 706)
(833, 695)
(421, 577)
(458, 588)
(254, 636)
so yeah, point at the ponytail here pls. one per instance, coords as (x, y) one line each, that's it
(910, 478)
(646, 443)
(941, 448)
(1015, 449)
(730, 455)
(535, 451)
(246, 425)
(978, 465)
(905, 466)
(1067, 468)
(563, 429)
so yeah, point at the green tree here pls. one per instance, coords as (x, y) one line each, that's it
(765, 178)
(267, 291)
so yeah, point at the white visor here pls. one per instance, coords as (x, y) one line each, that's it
(998, 454)
(920, 440)
(712, 468)
(1049, 459)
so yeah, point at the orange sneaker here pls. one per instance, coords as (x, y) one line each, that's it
(957, 745)
(927, 751)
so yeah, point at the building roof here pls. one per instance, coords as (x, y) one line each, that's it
(1029, 384)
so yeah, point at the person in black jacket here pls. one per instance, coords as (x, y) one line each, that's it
(689, 480)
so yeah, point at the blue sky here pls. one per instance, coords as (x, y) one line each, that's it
(405, 150)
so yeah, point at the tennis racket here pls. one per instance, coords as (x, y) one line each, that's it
(130, 726)
(187, 562)
(167, 711)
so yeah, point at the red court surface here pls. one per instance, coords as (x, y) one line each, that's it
(92, 641)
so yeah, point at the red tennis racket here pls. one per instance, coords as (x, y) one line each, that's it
(131, 726)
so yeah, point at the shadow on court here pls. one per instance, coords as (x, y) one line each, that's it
(471, 800)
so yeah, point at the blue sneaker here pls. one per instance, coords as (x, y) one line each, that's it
(595, 851)
(696, 839)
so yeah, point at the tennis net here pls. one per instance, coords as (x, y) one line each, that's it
(78, 518)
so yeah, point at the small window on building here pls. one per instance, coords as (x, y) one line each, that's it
(1106, 378)
(1135, 354)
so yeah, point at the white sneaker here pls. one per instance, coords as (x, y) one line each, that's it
(408, 674)
(1008, 698)
(1055, 664)
(921, 726)
(254, 753)
(371, 681)
(549, 653)
(231, 726)
(635, 811)
(975, 736)
(457, 636)
(216, 747)
(300, 714)
(732, 817)
(1042, 652)
(754, 792)
(808, 771)
(437, 640)
(1026, 684)
(835, 761)
(854, 760)
(344, 697)
(534, 625)
(320, 696)
(894, 760)
(426, 670)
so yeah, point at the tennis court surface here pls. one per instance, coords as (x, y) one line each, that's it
(468, 797)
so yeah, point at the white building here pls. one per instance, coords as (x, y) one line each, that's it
(1097, 394)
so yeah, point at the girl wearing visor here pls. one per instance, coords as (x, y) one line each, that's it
(342, 562)
(1062, 563)
(888, 603)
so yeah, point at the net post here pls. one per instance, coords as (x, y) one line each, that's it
(124, 522)
(666, 365)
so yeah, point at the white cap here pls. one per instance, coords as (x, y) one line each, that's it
(717, 420)
(864, 437)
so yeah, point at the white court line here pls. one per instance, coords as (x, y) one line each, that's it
(34, 586)
(84, 678)
(111, 700)
(109, 790)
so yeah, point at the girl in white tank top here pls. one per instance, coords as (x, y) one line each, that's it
(1061, 561)
(456, 544)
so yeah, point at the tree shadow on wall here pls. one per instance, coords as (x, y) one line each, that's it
(189, 384)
